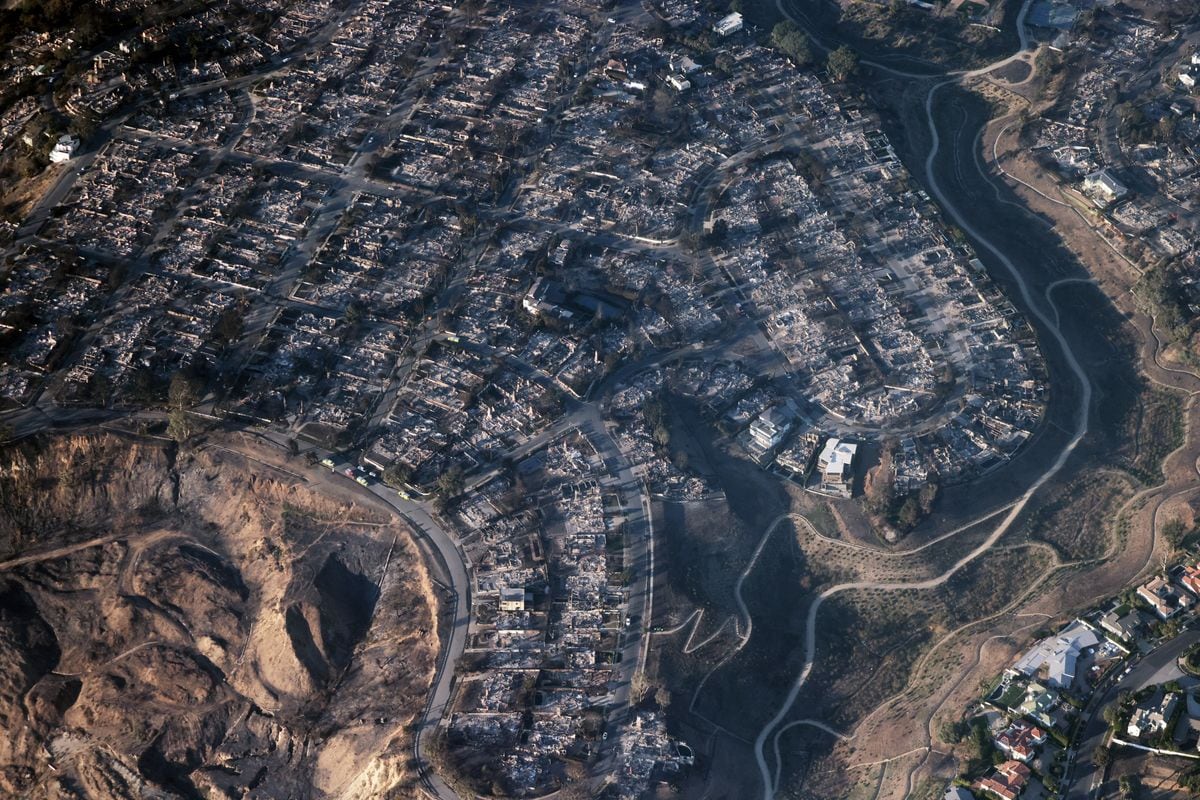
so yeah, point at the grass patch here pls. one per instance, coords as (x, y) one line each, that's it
(821, 517)
(1012, 696)
(1157, 431)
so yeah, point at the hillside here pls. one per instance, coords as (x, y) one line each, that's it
(193, 626)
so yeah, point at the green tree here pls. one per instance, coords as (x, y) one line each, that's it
(355, 312)
(662, 435)
(928, 493)
(842, 63)
(953, 732)
(910, 512)
(720, 231)
(450, 482)
(145, 387)
(1191, 782)
(179, 425)
(468, 220)
(184, 390)
(787, 38)
(397, 475)
(99, 388)
(881, 480)
(1134, 124)
(26, 166)
(83, 126)
(1164, 129)
(1172, 533)
(1100, 756)
(690, 241)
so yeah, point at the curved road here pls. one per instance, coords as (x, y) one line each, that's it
(455, 565)
(1085, 785)
(770, 781)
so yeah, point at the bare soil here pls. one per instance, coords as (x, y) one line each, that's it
(197, 624)
(18, 201)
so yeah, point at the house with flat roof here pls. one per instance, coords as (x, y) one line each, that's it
(678, 82)
(731, 23)
(64, 149)
(512, 598)
(771, 426)
(836, 463)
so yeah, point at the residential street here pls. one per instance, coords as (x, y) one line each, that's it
(1084, 778)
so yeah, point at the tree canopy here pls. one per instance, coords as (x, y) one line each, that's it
(179, 425)
(787, 38)
(842, 63)
(185, 389)
(450, 482)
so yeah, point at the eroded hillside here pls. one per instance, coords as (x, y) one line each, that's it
(201, 624)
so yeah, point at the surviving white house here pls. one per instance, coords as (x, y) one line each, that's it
(1103, 188)
(64, 149)
(731, 23)
(1055, 656)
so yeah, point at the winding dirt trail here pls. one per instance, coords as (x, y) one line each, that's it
(140, 539)
(1046, 310)
(770, 780)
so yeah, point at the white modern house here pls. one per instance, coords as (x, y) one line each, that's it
(836, 463)
(64, 149)
(678, 83)
(770, 428)
(731, 23)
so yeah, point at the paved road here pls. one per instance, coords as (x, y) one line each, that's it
(636, 509)
(452, 648)
(450, 559)
(588, 420)
(1084, 779)
(452, 565)
(638, 544)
